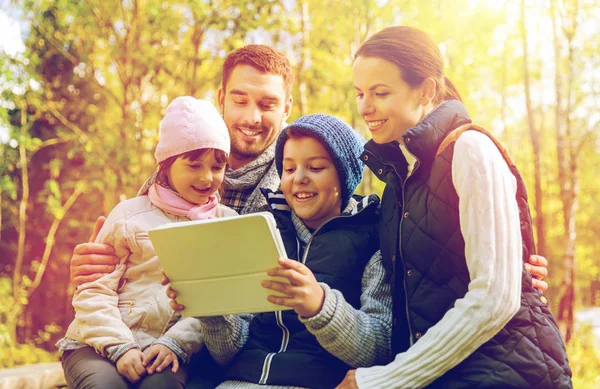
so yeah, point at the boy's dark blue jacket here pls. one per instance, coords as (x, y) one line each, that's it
(280, 350)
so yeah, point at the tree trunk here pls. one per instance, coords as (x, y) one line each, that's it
(503, 104)
(196, 39)
(1, 197)
(572, 195)
(304, 56)
(567, 169)
(12, 321)
(535, 143)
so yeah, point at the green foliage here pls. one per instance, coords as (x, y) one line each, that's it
(584, 359)
(24, 354)
(7, 186)
(20, 354)
(96, 76)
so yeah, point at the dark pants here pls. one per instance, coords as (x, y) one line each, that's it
(85, 369)
(203, 371)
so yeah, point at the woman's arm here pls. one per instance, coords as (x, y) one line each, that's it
(357, 337)
(489, 221)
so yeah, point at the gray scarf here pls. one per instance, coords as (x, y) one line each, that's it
(260, 173)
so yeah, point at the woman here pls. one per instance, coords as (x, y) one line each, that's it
(455, 230)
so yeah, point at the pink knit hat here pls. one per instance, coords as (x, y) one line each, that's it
(191, 124)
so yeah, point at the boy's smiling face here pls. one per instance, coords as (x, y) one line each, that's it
(310, 182)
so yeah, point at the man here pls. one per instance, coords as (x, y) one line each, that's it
(255, 99)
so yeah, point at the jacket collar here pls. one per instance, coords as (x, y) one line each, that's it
(357, 204)
(422, 141)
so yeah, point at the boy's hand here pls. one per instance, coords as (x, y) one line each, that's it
(303, 293)
(538, 268)
(90, 261)
(130, 365)
(162, 356)
(171, 294)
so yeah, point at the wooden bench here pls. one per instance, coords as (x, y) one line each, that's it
(35, 376)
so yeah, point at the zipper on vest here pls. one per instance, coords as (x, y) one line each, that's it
(402, 183)
(410, 339)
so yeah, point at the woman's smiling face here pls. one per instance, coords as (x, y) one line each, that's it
(387, 103)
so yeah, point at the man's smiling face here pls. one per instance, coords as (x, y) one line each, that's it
(254, 106)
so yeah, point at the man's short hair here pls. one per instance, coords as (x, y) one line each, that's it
(264, 59)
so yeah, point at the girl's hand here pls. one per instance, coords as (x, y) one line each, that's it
(130, 365)
(303, 293)
(171, 294)
(162, 356)
(349, 381)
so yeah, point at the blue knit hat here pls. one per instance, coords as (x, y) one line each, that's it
(342, 143)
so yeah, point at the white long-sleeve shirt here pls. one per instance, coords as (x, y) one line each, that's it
(489, 223)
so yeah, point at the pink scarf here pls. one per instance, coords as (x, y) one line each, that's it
(168, 201)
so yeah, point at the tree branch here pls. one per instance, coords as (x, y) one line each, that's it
(48, 143)
(51, 233)
(586, 135)
(56, 45)
(66, 122)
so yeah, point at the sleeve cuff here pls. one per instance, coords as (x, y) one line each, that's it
(116, 352)
(326, 313)
(372, 377)
(174, 346)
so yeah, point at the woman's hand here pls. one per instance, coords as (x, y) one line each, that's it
(162, 356)
(130, 365)
(349, 381)
(303, 293)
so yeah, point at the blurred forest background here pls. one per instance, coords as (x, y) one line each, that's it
(82, 94)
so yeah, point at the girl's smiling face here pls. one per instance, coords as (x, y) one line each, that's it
(195, 180)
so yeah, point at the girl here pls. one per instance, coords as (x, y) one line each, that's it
(337, 286)
(124, 331)
(455, 230)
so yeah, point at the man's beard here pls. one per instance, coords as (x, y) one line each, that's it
(244, 150)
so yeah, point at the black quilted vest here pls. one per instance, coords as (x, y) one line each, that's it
(280, 350)
(422, 245)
